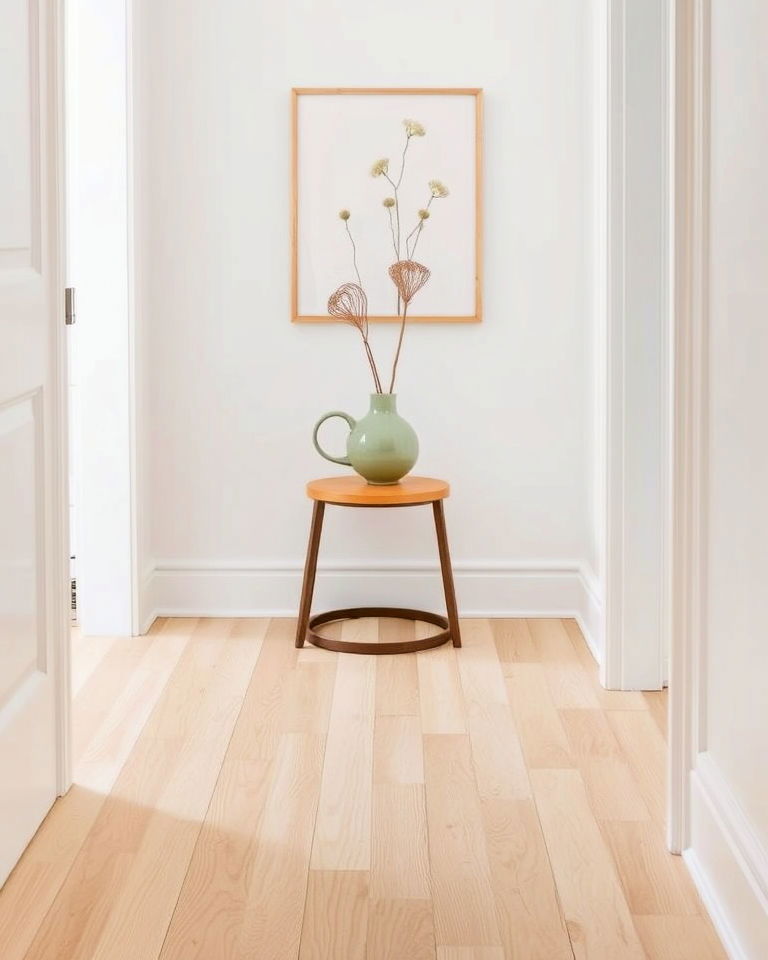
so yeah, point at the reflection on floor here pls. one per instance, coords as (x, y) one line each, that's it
(238, 798)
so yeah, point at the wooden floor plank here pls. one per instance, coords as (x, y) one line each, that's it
(400, 930)
(513, 640)
(272, 921)
(336, 915)
(470, 953)
(656, 701)
(461, 881)
(397, 685)
(440, 697)
(569, 685)
(104, 686)
(654, 881)
(87, 654)
(607, 699)
(343, 832)
(527, 909)
(497, 753)
(613, 792)
(538, 722)
(225, 875)
(399, 856)
(679, 938)
(596, 912)
(398, 754)
(645, 751)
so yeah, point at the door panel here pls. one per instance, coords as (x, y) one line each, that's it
(32, 526)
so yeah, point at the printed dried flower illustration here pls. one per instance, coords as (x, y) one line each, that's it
(380, 167)
(349, 302)
(413, 128)
(438, 188)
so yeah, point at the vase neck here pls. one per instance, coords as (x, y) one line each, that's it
(383, 403)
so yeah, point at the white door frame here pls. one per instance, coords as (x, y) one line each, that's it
(100, 184)
(637, 144)
(691, 256)
(59, 605)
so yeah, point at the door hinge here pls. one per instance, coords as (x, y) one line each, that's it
(69, 306)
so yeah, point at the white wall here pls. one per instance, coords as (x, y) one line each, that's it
(503, 409)
(728, 842)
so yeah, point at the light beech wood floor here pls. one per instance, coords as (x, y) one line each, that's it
(238, 798)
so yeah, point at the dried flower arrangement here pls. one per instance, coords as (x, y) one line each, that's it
(349, 303)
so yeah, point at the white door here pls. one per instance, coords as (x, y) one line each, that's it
(33, 542)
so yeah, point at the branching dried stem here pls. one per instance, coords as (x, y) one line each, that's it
(417, 230)
(349, 303)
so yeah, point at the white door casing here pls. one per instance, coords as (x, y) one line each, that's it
(638, 343)
(34, 677)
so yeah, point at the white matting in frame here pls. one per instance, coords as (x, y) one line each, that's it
(337, 137)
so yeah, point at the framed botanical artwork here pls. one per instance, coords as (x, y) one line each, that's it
(385, 175)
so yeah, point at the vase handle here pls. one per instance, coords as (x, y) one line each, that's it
(326, 416)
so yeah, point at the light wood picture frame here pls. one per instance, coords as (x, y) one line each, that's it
(337, 134)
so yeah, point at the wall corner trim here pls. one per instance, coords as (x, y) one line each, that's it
(728, 864)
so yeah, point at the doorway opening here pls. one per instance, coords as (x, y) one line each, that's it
(99, 167)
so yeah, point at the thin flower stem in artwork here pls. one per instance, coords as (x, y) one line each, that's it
(402, 162)
(417, 230)
(371, 361)
(397, 213)
(397, 219)
(354, 252)
(392, 230)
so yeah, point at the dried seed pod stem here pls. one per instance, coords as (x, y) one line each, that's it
(409, 277)
(349, 304)
(399, 347)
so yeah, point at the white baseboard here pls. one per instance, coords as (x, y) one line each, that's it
(483, 588)
(728, 864)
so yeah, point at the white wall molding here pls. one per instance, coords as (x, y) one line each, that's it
(492, 588)
(637, 348)
(728, 863)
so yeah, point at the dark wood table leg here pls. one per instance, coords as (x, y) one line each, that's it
(445, 567)
(310, 570)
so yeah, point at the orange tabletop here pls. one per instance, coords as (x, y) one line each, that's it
(358, 492)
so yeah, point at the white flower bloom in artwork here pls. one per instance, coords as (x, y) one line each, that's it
(381, 166)
(413, 128)
(438, 188)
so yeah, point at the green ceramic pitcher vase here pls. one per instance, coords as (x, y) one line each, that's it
(382, 447)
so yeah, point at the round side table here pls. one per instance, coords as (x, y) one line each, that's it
(356, 492)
